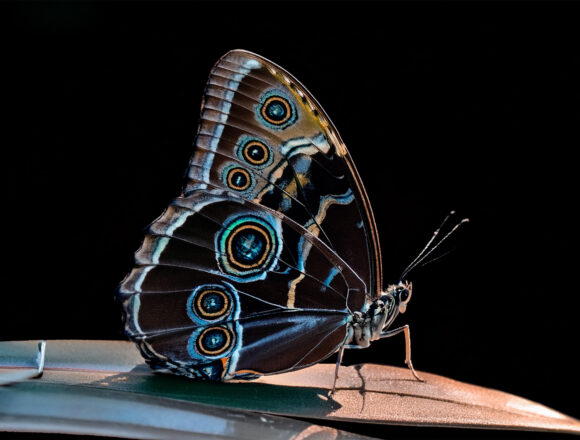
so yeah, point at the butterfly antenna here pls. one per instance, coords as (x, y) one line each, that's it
(426, 251)
(465, 220)
(437, 257)
(411, 264)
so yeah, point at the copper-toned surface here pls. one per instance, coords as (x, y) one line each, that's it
(367, 393)
(384, 394)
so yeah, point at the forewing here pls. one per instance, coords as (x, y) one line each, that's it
(258, 265)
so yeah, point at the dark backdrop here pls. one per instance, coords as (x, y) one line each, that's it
(472, 107)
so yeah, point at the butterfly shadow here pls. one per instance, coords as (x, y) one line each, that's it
(291, 399)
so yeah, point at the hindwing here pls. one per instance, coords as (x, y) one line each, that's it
(258, 265)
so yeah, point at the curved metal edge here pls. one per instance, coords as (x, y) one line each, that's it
(50, 408)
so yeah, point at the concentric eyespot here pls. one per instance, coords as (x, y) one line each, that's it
(213, 341)
(214, 309)
(276, 111)
(247, 246)
(255, 152)
(210, 302)
(238, 178)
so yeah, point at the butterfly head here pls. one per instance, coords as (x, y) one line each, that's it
(402, 294)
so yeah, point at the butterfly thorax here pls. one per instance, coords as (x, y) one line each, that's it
(367, 326)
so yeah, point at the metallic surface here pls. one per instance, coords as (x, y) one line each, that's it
(52, 408)
(366, 393)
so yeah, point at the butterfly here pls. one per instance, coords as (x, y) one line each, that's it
(269, 261)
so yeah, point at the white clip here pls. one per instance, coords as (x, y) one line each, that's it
(40, 359)
(11, 376)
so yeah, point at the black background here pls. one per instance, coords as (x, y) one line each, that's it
(472, 107)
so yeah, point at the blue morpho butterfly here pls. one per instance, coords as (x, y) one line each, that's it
(269, 261)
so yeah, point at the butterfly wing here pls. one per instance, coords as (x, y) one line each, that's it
(256, 268)
(264, 136)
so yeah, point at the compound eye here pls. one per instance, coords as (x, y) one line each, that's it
(403, 295)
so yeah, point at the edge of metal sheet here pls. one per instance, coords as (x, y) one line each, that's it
(367, 393)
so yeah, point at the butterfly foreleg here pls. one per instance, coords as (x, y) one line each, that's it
(404, 329)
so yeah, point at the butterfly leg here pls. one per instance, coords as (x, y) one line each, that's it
(404, 329)
(338, 362)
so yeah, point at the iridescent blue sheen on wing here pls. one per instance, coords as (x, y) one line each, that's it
(248, 246)
(257, 267)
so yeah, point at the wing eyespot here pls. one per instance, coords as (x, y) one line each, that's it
(247, 247)
(238, 178)
(210, 302)
(276, 111)
(214, 341)
(255, 153)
